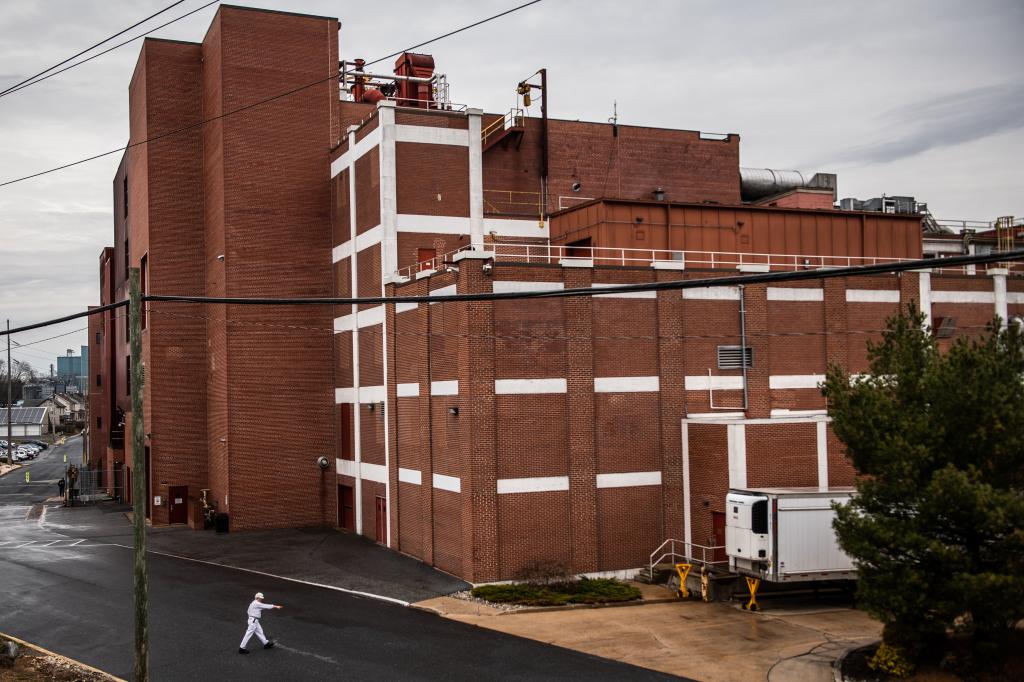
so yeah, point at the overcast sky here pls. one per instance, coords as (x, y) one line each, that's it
(922, 98)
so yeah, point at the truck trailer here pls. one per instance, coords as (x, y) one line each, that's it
(785, 535)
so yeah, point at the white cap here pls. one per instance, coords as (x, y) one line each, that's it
(259, 595)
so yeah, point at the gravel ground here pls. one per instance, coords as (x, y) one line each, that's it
(466, 595)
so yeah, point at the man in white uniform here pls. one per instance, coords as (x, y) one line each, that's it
(254, 612)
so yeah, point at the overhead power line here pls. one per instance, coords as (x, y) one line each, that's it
(199, 124)
(92, 47)
(16, 88)
(702, 283)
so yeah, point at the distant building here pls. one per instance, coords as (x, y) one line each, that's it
(73, 370)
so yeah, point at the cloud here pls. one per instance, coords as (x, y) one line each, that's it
(943, 121)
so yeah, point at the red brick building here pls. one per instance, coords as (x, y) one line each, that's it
(485, 438)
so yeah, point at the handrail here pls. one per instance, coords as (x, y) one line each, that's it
(687, 553)
(507, 121)
(555, 254)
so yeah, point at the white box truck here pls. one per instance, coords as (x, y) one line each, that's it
(785, 535)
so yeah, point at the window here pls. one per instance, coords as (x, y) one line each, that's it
(128, 373)
(99, 379)
(99, 338)
(735, 357)
(99, 423)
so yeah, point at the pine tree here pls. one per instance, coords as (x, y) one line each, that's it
(937, 527)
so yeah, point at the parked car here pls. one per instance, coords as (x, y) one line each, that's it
(20, 455)
(40, 443)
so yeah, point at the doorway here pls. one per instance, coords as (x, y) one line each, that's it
(346, 508)
(425, 259)
(149, 496)
(382, 520)
(177, 503)
(718, 532)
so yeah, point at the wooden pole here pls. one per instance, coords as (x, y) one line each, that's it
(140, 670)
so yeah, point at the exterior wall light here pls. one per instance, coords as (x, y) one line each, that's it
(453, 411)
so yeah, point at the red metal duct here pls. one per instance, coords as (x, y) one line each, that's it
(412, 94)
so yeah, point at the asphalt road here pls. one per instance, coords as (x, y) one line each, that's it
(71, 592)
(44, 472)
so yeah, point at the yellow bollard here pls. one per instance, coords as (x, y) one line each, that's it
(683, 570)
(26, 476)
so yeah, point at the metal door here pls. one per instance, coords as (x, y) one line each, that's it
(346, 508)
(718, 528)
(382, 520)
(177, 504)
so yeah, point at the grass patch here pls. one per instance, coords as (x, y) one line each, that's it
(582, 591)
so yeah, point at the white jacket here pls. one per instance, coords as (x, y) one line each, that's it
(256, 607)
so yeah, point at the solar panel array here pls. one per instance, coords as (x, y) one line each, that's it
(23, 415)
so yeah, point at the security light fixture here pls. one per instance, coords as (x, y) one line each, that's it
(659, 194)
(453, 411)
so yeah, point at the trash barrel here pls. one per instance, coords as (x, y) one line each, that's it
(220, 522)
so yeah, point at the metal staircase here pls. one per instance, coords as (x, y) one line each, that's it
(504, 130)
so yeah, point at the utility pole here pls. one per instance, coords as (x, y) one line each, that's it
(10, 443)
(140, 671)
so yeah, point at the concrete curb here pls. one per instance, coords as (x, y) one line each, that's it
(36, 647)
(575, 607)
(546, 609)
(837, 664)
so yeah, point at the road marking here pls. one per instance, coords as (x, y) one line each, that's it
(358, 593)
(326, 659)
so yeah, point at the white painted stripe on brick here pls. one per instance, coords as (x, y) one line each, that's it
(444, 291)
(712, 294)
(364, 145)
(783, 381)
(369, 238)
(450, 483)
(822, 433)
(628, 294)
(795, 294)
(508, 286)
(528, 386)
(412, 476)
(378, 473)
(432, 224)
(366, 318)
(431, 135)
(344, 395)
(372, 394)
(532, 485)
(408, 390)
(963, 297)
(516, 228)
(872, 296)
(629, 480)
(703, 382)
(344, 323)
(626, 384)
(405, 307)
(737, 447)
(341, 252)
(450, 387)
(347, 467)
(1015, 297)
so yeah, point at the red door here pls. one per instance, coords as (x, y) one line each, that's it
(718, 528)
(178, 504)
(346, 508)
(425, 258)
(382, 521)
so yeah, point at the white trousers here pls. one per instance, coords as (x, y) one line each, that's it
(254, 629)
